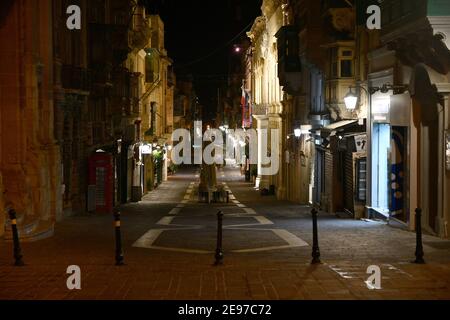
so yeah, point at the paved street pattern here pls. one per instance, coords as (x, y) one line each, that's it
(191, 198)
(169, 240)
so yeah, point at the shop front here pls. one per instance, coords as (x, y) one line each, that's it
(341, 163)
(154, 163)
(389, 142)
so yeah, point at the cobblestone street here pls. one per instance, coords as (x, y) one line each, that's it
(169, 241)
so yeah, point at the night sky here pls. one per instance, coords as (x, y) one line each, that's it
(197, 32)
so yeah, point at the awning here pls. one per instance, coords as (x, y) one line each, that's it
(339, 125)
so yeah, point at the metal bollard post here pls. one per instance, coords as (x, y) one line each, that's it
(419, 246)
(315, 249)
(17, 250)
(119, 252)
(219, 253)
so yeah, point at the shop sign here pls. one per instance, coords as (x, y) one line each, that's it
(381, 105)
(380, 108)
(361, 143)
(146, 149)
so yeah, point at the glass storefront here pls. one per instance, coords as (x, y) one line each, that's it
(381, 145)
(389, 170)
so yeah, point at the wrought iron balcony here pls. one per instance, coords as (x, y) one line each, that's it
(135, 106)
(141, 32)
(131, 107)
(75, 78)
(101, 75)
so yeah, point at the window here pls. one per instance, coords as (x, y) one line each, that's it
(347, 53)
(334, 71)
(346, 68)
(346, 62)
(341, 60)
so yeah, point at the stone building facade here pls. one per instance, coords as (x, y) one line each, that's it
(389, 153)
(69, 95)
(266, 89)
(159, 101)
(30, 162)
(414, 57)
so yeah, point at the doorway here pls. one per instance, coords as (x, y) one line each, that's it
(381, 146)
(398, 164)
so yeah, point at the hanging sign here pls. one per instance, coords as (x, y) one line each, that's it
(380, 108)
(361, 143)
(146, 149)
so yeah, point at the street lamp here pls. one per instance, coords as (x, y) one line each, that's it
(350, 100)
(237, 49)
(298, 132)
(381, 105)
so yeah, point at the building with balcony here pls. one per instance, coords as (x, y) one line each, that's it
(150, 108)
(301, 63)
(409, 115)
(82, 96)
(268, 109)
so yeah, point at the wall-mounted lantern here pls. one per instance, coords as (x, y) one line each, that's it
(350, 100)
(380, 104)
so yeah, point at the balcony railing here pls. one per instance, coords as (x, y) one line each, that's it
(135, 106)
(75, 78)
(101, 75)
(131, 107)
(141, 32)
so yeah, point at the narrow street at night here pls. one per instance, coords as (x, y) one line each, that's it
(169, 242)
(223, 159)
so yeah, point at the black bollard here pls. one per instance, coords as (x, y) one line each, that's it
(315, 249)
(17, 250)
(119, 252)
(219, 253)
(419, 246)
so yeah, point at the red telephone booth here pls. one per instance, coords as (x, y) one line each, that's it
(101, 173)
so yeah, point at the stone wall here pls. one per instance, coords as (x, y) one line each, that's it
(2, 206)
(30, 158)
